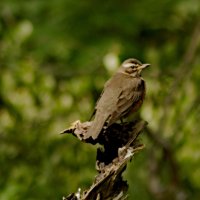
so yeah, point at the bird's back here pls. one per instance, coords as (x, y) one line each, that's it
(120, 92)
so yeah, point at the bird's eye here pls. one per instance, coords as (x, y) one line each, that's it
(130, 65)
(134, 68)
(134, 65)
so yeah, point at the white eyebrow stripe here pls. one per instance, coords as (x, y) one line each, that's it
(126, 65)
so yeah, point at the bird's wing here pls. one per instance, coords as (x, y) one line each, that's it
(109, 97)
(119, 95)
(103, 109)
(102, 93)
(132, 92)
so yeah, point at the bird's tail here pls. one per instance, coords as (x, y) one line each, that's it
(97, 126)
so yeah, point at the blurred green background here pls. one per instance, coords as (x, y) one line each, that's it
(54, 59)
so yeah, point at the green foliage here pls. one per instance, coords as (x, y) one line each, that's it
(54, 59)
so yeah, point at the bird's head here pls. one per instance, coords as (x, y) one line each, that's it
(133, 67)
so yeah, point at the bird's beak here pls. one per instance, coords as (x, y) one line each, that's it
(143, 66)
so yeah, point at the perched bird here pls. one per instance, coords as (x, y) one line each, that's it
(123, 93)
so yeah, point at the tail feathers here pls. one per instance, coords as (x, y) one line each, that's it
(97, 126)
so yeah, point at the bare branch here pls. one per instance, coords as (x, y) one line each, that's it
(120, 143)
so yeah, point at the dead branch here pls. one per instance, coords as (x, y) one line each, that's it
(120, 142)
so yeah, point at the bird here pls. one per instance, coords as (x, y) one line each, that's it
(123, 94)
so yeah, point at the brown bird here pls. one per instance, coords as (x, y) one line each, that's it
(123, 93)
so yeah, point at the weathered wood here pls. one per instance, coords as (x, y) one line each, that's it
(120, 142)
